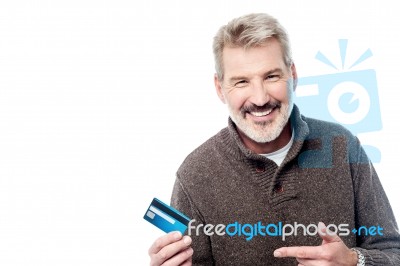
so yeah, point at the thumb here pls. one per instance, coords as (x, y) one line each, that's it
(327, 235)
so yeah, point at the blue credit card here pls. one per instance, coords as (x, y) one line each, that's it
(165, 217)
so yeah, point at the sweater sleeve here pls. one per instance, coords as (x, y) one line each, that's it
(372, 208)
(201, 243)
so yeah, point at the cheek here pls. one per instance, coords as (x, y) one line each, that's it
(236, 99)
(280, 93)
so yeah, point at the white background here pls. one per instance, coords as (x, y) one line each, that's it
(100, 101)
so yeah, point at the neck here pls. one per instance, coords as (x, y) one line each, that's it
(268, 147)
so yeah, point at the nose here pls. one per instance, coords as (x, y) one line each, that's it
(259, 94)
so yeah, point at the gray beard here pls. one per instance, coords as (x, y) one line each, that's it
(265, 131)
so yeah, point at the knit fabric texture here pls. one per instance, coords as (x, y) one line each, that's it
(326, 176)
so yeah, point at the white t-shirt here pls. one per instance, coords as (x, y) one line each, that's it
(279, 155)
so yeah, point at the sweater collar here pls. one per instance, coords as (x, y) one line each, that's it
(235, 146)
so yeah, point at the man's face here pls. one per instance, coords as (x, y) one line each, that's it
(258, 88)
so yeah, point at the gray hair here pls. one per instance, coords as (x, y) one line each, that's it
(249, 31)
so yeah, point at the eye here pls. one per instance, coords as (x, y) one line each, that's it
(241, 83)
(272, 77)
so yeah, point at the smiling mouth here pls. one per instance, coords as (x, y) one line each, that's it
(260, 114)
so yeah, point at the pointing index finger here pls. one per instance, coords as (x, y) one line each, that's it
(313, 252)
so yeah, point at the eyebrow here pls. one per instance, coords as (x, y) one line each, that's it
(236, 78)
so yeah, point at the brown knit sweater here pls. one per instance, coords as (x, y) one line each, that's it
(326, 176)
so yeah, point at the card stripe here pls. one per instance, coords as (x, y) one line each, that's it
(170, 211)
(163, 215)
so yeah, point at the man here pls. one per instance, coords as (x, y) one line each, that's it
(273, 165)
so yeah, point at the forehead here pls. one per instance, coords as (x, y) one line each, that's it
(246, 61)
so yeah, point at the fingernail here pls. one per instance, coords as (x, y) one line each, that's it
(277, 254)
(177, 235)
(189, 251)
(187, 240)
(321, 227)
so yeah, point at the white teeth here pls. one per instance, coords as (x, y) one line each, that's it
(258, 114)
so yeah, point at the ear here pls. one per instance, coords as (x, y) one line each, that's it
(294, 76)
(218, 88)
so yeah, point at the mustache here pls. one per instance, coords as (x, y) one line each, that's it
(256, 108)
